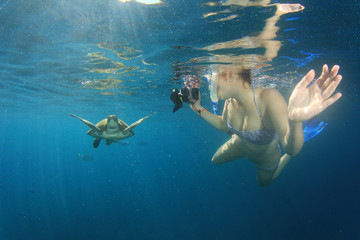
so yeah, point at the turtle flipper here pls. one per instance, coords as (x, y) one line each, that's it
(96, 142)
(89, 124)
(132, 126)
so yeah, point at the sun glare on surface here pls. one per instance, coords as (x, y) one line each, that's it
(148, 2)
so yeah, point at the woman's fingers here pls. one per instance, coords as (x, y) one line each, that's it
(306, 80)
(331, 87)
(324, 75)
(330, 101)
(334, 71)
(327, 77)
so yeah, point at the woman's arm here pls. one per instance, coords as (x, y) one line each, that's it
(218, 122)
(305, 102)
(290, 133)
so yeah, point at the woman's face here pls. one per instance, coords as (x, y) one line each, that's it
(223, 84)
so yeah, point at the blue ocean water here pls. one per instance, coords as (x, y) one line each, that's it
(95, 58)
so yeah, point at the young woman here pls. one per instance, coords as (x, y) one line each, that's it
(258, 119)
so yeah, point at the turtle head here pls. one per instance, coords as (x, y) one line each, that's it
(112, 117)
(112, 122)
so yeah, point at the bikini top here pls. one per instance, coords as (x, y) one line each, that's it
(261, 136)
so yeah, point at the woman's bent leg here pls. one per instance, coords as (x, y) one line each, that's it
(229, 151)
(265, 177)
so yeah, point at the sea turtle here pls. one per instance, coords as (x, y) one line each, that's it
(110, 129)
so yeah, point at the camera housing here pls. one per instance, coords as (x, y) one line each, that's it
(186, 94)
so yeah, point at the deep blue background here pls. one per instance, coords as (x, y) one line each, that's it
(160, 184)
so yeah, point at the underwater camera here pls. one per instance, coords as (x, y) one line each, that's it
(186, 94)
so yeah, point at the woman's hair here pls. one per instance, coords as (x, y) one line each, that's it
(245, 74)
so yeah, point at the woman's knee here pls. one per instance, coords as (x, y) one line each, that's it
(264, 183)
(264, 180)
(217, 160)
(218, 157)
(229, 151)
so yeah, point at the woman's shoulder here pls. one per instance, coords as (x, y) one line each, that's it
(270, 94)
(272, 100)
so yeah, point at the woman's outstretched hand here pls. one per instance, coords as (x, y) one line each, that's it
(307, 101)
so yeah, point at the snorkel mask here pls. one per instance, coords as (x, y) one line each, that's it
(212, 79)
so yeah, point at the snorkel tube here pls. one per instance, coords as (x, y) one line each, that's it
(212, 79)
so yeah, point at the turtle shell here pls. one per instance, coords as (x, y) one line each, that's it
(102, 125)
